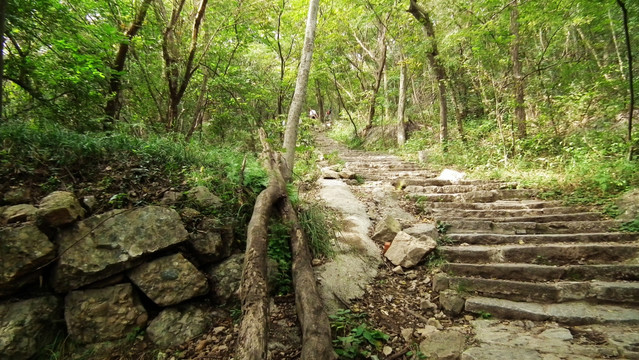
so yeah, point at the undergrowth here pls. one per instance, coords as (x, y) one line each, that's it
(354, 338)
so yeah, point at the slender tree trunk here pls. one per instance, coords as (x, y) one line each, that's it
(401, 103)
(381, 64)
(520, 110)
(616, 43)
(460, 111)
(622, 5)
(3, 20)
(320, 100)
(280, 53)
(292, 122)
(114, 104)
(423, 17)
(341, 101)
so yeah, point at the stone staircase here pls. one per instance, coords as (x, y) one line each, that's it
(513, 256)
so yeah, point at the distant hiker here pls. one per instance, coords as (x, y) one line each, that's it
(312, 114)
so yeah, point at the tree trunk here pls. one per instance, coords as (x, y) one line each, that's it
(423, 18)
(114, 104)
(3, 20)
(316, 330)
(401, 104)
(292, 121)
(622, 5)
(341, 101)
(320, 101)
(381, 64)
(520, 110)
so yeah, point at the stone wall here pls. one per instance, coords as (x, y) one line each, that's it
(65, 270)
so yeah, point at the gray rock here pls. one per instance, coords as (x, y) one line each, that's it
(226, 278)
(423, 229)
(23, 250)
(557, 334)
(628, 206)
(447, 345)
(171, 197)
(105, 244)
(27, 326)
(175, 326)
(188, 214)
(19, 213)
(451, 175)
(386, 230)
(346, 174)
(203, 197)
(103, 314)
(169, 280)
(408, 251)
(451, 302)
(328, 173)
(59, 208)
(90, 202)
(17, 195)
(211, 242)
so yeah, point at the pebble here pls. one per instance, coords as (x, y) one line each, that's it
(407, 334)
(434, 323)
(316, 262)
(387, 350)
(469, 317)
(398, 270)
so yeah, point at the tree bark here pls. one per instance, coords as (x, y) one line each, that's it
(292, 121)
(423, 17)
(3, 21)
(622, 5)
(401, 104)
(316, 330)
(114, 104)
(520, 110)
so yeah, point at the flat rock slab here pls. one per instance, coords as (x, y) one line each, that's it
(169, 280)
(105, 244)
(19, 213)
(175, 326)
(27, 326)
(357, 257)
(573, 313)
(22, 250)
(99, 315)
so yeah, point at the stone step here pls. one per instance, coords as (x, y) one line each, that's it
(557, 227)
(484, 196)
(545, 218)
(531, 272)
(393, 175)
(569, 313)
(403, 183)
(514, 239)
(544, 292)
(497, 205)
(456, 189)
(549, 254)
(502, 213)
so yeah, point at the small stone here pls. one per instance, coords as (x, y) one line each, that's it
(219, 329)
(171, 197)
(398, 270)
(427, 305)
(440, 315)
(435, 323)
(316, 262)
(469, 318)
(387, 350)
(411, 276)
(89, 202)
(558, 334)
(407, 334)
(427, 330)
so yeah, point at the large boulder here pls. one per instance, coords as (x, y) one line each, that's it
(629, 205)
(210, 241)
(105, 244)
(407, 251)
(226, 277)
(387, 229)
(443, 345)
(169, 280)
(59, 208)
(27, 326)
(99, 315)
(23, 250)
(203, 197)
(174, 326)
(17, 195)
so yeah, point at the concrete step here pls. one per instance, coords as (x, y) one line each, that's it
(502, 213)
(532, 272)
(569, 313)
(497, 205)
(483, 196)
(545, 292)
(514, 239)
(531, 227)
(544, 218)
(548, 254)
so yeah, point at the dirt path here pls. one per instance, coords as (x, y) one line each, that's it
(517, 277)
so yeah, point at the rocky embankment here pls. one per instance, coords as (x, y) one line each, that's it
(103, 278)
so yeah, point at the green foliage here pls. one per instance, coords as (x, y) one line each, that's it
(320, 226)
(442, 227)
(485, 315)
(354, 338)
(630, 226)
(279, 250)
